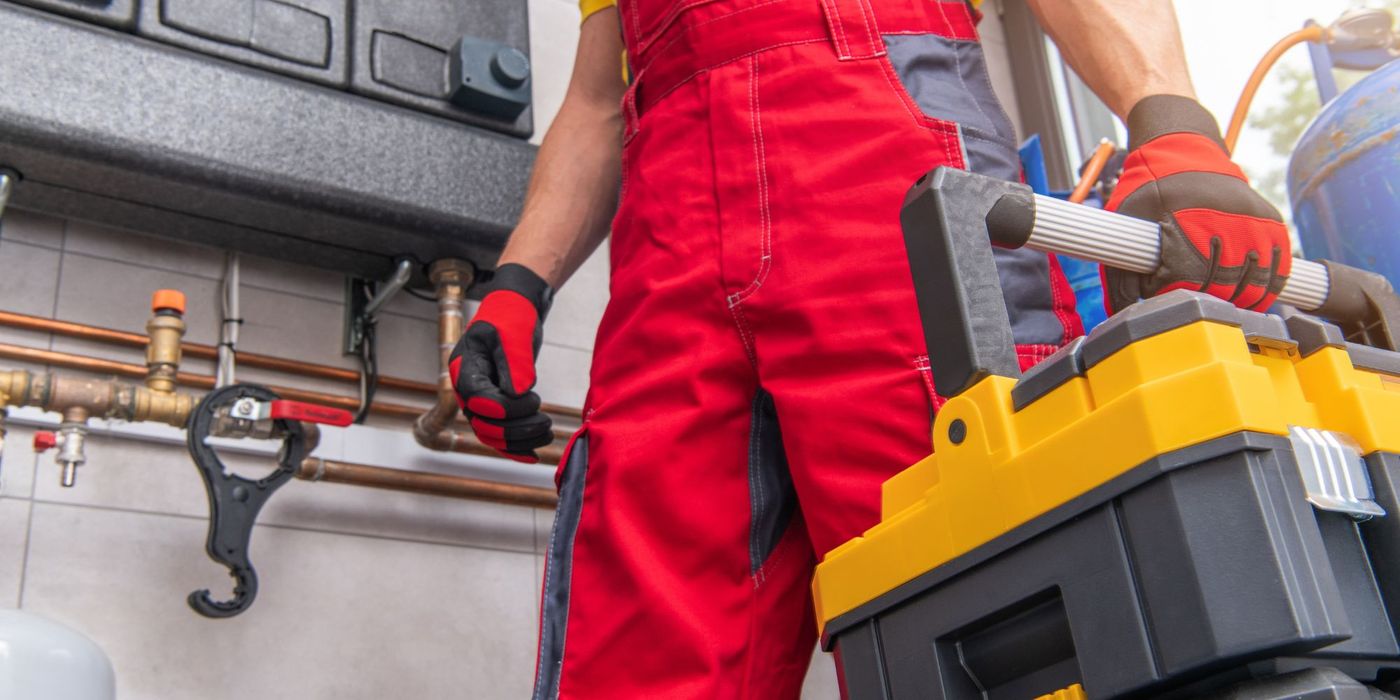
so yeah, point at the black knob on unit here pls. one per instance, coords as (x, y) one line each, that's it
(510, 67)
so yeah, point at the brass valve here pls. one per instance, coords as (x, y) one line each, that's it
(166, 329)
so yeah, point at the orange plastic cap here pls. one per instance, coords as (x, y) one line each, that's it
(172, 299)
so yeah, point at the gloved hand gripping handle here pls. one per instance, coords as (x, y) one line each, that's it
(949, 215)
(1362, 302)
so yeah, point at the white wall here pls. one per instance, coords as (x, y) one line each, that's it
(364, 594)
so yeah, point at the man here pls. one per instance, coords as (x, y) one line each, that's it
(760, 369)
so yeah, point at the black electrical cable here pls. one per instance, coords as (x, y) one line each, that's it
(369, 373)
(369, 361)
(419, 295)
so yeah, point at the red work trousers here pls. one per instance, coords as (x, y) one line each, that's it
(760, 369)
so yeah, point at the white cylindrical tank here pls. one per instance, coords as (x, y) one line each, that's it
(43, 660)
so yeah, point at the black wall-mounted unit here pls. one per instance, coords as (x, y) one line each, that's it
(307, 39)
(404, 50)
(113, 13)
(233, 123)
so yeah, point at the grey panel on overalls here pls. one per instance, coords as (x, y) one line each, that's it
(559, 566)
(948, 79)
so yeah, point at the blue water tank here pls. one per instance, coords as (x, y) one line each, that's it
(1344, 177)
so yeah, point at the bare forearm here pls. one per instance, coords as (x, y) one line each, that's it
(571, 199)
(1124, 50)
(573, 190)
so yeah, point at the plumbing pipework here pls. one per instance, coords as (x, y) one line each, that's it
(433, 429)
(297, 368)
(79, 399)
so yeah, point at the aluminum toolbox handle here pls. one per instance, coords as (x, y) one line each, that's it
(1361, 302)
(1126, 243)
(949, 215)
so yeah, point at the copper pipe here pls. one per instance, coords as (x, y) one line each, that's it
(209, 352)
(433, 429)
(464, 442)
(315, 469)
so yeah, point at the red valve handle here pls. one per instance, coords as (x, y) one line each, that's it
(310, 413)
(45, 440)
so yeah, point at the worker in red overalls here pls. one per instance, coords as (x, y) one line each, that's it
(760, 368)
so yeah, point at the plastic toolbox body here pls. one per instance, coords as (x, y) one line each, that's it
(1192, 500)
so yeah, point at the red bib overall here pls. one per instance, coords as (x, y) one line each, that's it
(760, 369)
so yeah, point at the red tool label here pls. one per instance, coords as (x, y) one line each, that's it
(311, 413)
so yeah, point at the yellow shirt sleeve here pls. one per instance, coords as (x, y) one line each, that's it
(588, 7)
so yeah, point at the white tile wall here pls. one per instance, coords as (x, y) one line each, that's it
(28, 277)
(35, 229)
(14, 536)
(116, 294)
(17, 465)
(337, 616)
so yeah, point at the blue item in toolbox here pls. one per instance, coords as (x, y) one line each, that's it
(1083, 275)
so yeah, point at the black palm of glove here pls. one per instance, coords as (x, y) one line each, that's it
(493, 365)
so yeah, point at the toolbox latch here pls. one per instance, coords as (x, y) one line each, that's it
(1333, 473)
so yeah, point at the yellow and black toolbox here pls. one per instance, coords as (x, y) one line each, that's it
(1192, 501)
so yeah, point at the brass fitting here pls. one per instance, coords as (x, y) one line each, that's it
(160, 407)
(72, 444)
(104, 398)
(15, 387)
(165, 330)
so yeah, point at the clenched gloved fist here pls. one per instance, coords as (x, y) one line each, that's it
(493, 365)
(1218, 235)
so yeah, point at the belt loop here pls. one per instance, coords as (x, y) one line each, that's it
(852, 28)
(630, 116)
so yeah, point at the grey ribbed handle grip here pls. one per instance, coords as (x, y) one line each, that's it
(1135, 245)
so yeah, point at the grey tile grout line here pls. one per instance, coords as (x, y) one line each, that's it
(31, 244)
(428, 318)
(567, 346)
(34, 474)
(58, 277)
(28, 532)
(295, 528)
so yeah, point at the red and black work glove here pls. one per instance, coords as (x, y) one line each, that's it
(1218, 235)
(493, 365)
